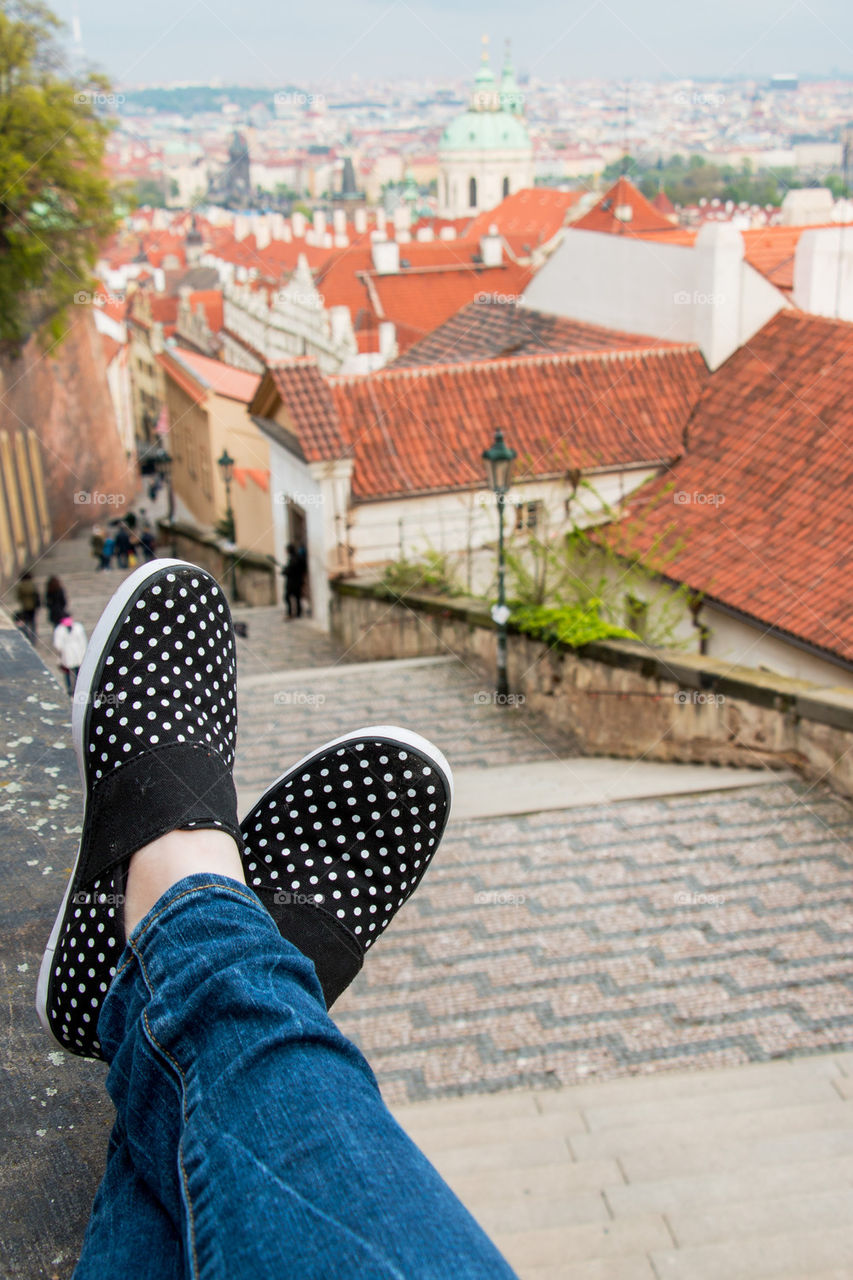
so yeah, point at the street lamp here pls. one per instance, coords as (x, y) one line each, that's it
(226, 466)
(499, 459)
(163, 462)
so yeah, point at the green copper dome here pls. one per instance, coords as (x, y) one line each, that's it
(493, 120)
(485, 131)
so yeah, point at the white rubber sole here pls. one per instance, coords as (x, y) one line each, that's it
(391, 733)
(89, 667)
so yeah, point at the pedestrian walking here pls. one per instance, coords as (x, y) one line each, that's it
(147, 543)
(294, 578)
(69, 641)
(123, 546)
(96, 542)
(55, 601)
(107, 551)
(29, 601)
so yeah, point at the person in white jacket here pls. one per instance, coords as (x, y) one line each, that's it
(69, 641)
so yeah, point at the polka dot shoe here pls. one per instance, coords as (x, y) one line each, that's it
(336, 846)
(154, 725)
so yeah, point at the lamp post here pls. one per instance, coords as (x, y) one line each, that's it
(226, 466)
(499, 459)
(163, 463)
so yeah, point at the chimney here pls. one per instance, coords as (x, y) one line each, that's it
(380, 219)
(339, 222)
(341, 325)
(386, 257)
(491, 248)
(823, 272)
(424, 234)
(447, 233)
(716, 300)
(299, 223)
(402, 217)
(286, 233)
(319, 225)
(360, 220)
(387, 340)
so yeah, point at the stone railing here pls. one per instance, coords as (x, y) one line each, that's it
(619, 697)
(255, 573)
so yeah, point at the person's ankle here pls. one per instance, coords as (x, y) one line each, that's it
(157, 866)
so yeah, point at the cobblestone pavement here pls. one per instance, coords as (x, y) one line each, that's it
(287, 715)
(695, 931)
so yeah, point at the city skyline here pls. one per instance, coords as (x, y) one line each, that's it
(198, 41)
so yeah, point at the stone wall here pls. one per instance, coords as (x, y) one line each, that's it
(255, 573)
(619, 697)
(63, 394)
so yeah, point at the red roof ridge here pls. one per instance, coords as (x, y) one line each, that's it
(460, 367)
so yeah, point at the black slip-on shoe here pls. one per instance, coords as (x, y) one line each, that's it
(154, 726)
(340, 841)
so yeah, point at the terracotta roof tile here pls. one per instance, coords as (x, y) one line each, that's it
(490, 330)
(772, 437)
(623, 195)
(305, 393)
(224, 379)
(421, 430)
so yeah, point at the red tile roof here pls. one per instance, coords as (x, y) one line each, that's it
(423, 430)
(532, 216)
(223, 379)
(772, 437)
(422, 300)
(305, 393)
(623, 195)
(211, 300)
(491, 330)
(110, 347)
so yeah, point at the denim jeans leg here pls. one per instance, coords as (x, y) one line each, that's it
(255, 1123)
(129, 1231)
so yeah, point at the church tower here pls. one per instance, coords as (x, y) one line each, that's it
(485, 154)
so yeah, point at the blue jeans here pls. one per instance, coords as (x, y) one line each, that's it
(251, 1139)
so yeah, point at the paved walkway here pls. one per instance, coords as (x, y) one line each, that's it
(584, 1015)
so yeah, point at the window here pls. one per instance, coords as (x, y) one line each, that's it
(472, 192)
(528, 515)
(506, 188)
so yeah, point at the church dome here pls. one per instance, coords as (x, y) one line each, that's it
(493, 119)
(485, 131)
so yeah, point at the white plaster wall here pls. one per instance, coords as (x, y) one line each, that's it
(747, 645)
(489, 168)
(678, 292)
(823, 272)
(453, 523)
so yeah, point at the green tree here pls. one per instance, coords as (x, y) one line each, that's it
(56, 206)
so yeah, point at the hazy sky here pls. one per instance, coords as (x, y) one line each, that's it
(279, 41)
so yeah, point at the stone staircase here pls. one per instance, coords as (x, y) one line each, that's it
(618, 1013)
